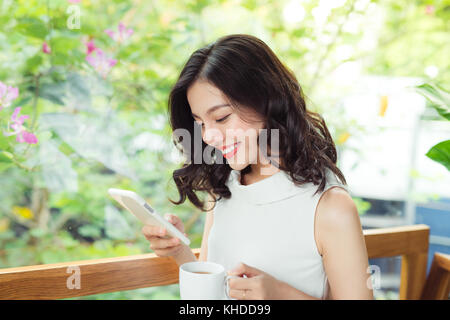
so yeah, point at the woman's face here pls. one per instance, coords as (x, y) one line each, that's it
(222, 127)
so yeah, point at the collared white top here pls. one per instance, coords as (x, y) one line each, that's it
(269, 225)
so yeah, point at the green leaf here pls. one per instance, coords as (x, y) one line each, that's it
(32, 27)
(55, 92)
(21, 102)
(38, 233)
(61, 59)
(45, 136)
(439, 98)
(65, 148)
(89, 231)
(4, 143)
(50, 256)
(56, 169)
(64, 44)
(79, 94)
(6, 156)
(5, 165)
(298, 33)
(441, 153)
(33, 63)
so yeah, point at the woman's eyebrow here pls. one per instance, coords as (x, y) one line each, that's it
(212, 109)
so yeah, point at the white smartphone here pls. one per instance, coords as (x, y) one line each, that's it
(144, 212)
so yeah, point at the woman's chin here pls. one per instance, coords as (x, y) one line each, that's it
(236, 165)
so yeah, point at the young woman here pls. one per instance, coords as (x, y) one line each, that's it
(280, 215)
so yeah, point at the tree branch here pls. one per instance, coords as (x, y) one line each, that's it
(316, 74)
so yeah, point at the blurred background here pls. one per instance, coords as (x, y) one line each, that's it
(83, 107)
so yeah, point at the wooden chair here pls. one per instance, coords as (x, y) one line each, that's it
(126, 273)
(437, 286)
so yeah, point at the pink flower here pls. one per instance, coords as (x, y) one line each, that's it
(18, 129)
(27, 137)
(122, 35)
(46, 48)
(429, 9)
(90, 46)
(73, 1)
(101, 62)
(7, 94)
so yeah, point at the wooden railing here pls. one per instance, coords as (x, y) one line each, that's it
(50, 281)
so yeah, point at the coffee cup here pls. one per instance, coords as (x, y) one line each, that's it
(203, 280)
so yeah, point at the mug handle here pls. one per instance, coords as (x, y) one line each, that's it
(227, 288)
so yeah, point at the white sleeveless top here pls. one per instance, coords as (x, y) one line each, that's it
(269, 225)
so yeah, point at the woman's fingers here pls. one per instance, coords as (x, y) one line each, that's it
(176, 221)
(160, 241)
(154, 231)
(240, 283)
(240, 294)
(157, 243)
(168, 251)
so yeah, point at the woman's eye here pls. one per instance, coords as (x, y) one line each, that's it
(222, 119)
(218, 120)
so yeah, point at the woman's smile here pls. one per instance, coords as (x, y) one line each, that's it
(230, 151)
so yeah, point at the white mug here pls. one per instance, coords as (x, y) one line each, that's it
(211, 285)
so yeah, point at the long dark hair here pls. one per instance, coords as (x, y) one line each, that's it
(249, 74)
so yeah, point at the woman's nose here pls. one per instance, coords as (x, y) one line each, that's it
(212, 136)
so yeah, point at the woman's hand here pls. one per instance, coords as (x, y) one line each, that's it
(258, 284)
(161, 243)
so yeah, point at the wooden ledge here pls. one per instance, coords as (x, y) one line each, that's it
(57, 281)
(53, 281)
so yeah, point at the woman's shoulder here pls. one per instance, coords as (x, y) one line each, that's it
(335, 199)
(336, 212)
(336, 195)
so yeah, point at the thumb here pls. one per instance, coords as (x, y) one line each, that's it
(242, 269)
(175, 220)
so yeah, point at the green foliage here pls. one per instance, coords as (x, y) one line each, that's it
(99, 131)
(361, 205)
(32, 27)
(441, 153)
(439, 99)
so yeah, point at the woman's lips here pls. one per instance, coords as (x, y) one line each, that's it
(232, 152)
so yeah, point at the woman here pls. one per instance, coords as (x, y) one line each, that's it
(279, 216)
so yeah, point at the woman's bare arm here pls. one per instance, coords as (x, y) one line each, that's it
(208, 224)
(341, 242)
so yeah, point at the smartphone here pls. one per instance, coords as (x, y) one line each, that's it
(136, 205)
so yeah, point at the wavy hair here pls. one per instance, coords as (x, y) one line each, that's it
(249, 74)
